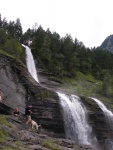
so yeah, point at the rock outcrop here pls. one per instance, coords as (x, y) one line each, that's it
(20, 89)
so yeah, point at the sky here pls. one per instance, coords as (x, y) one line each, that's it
(90, 21)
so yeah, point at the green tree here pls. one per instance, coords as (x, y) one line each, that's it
(107, 85)
(28, 35)
(67, 51)
(0, 21)
(11, 29)
(45, 52)
(3, 37)
(17, 29)
(4, 23)
(13, 47)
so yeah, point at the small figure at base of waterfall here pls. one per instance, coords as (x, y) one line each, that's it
(16, 112)
(28, 113)
(1, 95)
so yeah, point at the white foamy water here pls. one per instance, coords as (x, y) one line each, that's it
(30, 63)
(75, 120)
(107, 113)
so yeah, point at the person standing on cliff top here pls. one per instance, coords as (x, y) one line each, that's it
(28, 113)
(1, 95)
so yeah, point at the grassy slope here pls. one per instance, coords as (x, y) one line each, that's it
(86, 85)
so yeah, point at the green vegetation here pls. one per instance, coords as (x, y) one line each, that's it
(18, 145)
(3, 135)
(14, 48)
(85, 71)
(82, 85)
(21, 146)
(9, 43)
(51, 146)
(11, 56)
(3, 121)
(88, 86)
(44, 93)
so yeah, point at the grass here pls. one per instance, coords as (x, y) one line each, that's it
(86, 85)
(11, 56)
(50, 145)
(3, 121)
(21, 146)
(44, 94)
(3, 135)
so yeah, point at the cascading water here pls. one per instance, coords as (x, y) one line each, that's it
(75, 114)
(75, 120)
(109, 119)
(109, 144)
(108, 114)
(30, 63)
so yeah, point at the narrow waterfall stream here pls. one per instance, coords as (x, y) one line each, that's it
(75, 120)
(109, 119)
(108, 114)
(30, 63)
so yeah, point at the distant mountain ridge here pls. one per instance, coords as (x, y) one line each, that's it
(108, 44)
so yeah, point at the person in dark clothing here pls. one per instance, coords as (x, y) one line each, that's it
(16, 112)
(28, 113)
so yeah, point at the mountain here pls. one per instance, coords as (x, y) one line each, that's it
(108, 44)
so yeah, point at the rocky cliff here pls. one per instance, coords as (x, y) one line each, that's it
(20, 90)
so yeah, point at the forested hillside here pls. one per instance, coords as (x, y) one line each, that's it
(60, 56)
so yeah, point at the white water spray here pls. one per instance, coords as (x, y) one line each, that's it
(75, 120)
(30, 63)
(107, 113)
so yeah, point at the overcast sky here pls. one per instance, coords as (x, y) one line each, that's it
(90, 21)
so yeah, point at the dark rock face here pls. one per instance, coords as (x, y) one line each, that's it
(4, 109)
(20, 89)
(14, 91)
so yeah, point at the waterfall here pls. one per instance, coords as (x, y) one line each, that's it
(30, 63)
(109, 144)
(109, 119)
(108, 114)
(75, 120)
